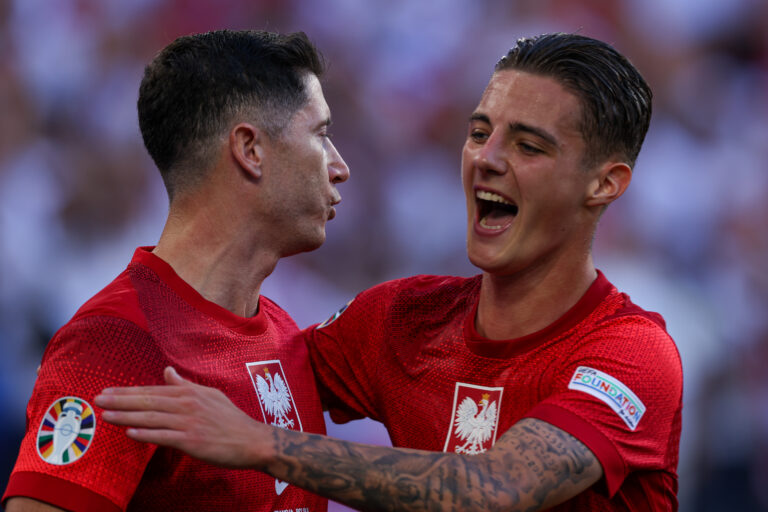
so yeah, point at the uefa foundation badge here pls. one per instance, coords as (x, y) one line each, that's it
(66, 431)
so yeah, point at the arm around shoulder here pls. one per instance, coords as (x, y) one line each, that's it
(533, 466)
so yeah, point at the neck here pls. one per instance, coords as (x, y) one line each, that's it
(512, 306)
(217, 254)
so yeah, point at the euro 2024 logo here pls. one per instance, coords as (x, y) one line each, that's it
(66, 431)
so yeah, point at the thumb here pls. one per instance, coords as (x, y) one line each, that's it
(172, 377)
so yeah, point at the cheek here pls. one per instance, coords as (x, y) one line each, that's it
(466, 171)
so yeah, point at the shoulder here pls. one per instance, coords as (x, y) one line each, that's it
(119, 300)
(425, 287)
(631, 340)
(626, 310)
(629, 322)
(276, 314)
(405, 300)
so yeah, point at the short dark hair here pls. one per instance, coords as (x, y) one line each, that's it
(616, 100)
(195, 86)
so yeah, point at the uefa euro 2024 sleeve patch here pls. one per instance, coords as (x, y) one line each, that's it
(66, 431)
(611, 391)
(334, 316)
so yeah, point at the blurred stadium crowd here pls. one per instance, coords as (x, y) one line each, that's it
(689, 239)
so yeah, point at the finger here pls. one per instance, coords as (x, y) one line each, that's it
(173, 378)
(145, 419)
(138, 390)
(139, 402)
(172, 438)
(164, 390)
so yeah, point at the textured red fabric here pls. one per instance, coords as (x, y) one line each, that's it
(145, 320)
(406, 353)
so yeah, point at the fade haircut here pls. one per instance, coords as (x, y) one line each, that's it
(616, 100)
(198, 85)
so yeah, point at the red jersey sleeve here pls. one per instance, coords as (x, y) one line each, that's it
(621, 395)
(69, 457)
(344, 350)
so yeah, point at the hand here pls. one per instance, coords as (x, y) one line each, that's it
(198, 420)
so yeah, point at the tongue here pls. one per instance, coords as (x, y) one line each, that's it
(498, 218)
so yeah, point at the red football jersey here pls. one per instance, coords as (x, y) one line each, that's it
(406, 353)
(146, 319)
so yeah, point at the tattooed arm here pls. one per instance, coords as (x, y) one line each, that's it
(533, 466)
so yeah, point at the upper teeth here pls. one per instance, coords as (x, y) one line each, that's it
(490, 196)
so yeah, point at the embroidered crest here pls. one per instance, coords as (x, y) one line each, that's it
(66, 431)
(474, 419)
(275, 397)
(334, 316)
(611, 391)
(275, 400)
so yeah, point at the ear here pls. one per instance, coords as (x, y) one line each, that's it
(246, 145)
(611, 180)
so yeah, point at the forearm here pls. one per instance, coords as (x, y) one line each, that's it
(380, 478)
(533, 466)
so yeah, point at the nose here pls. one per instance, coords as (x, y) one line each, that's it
(489, 158)
(338, 171)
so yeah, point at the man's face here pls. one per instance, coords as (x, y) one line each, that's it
(523, 175)
(304, 168)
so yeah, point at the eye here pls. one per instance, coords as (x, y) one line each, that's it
(478, 136)
(529, 149)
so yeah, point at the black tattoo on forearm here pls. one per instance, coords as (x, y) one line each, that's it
(533, 465)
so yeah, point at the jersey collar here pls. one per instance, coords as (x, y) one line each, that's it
(503, 349)
(249, 326)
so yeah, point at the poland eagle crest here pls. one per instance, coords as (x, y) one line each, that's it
(275, 398)
(474, 419)
(475, 426)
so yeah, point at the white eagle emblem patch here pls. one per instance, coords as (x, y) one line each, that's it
(275, 399)
(475, 419)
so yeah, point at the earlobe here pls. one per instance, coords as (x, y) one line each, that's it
(246, 147)
(610, 183)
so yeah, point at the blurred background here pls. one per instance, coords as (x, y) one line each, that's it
(690, 238)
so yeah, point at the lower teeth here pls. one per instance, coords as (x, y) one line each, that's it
(482, 223)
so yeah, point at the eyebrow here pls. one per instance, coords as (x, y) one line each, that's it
(519, 127)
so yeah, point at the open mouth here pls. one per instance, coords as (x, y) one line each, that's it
(494, 211)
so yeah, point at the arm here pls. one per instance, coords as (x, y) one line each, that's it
(20, 504)
(533, 466)
(69, 358)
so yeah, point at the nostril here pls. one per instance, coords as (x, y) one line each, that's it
(488, 163)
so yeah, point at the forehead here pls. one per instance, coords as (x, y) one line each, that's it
(519, 97)
(315, 109)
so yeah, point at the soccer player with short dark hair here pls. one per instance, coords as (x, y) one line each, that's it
(534, 385)
(236, 122)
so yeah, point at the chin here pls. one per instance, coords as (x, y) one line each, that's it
(305, 244)
(314, 242)
(482, 262)
(492, 263)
